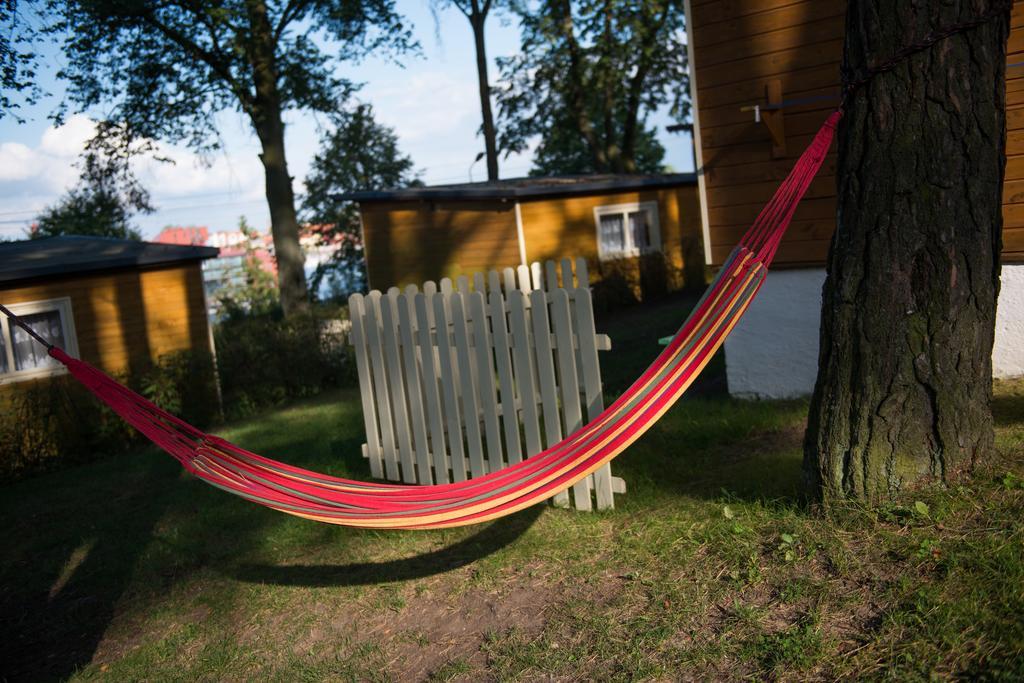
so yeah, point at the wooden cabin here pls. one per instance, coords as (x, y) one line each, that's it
(764, 52)
(616, 222)
(117, 304)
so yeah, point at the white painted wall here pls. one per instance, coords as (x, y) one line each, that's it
(773, 351)
(1008, 353)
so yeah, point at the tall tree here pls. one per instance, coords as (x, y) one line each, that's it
(358, 154)
(169, 67)
(596, 68)
(905, 376)
(476, 11)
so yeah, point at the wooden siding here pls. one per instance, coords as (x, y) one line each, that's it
(128, 318)
(565, 228)
(415, 241)
(412, 242)
(741, 45)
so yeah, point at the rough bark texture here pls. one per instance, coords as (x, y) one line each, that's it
(266, 118)
(905, 372)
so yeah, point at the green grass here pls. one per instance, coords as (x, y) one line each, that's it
(710, 567)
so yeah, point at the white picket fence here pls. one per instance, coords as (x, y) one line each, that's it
(461, 380)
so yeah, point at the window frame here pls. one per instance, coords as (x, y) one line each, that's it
(67, 322)
(630, 250)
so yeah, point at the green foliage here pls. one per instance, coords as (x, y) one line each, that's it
(256, 294)
(55, 422)
(185, 384)
(107, 194)
(586, 78)
(86, 211)
(358, 154)
(18, 61)
(167, 68)
(264, 360)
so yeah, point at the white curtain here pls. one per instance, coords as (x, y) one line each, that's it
(30, 354)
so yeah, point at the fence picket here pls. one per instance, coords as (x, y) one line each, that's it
(537, 275)
(479, 283)
(546, 374)
(431, 396)
(421, 447)
(561, 321)
(509, 277)
(550, 276)
(357, 315)
(593, 396)
(503, 359)
(380, 382)
(525, 279)
(451, 403)
(486, 391)
(399, 402)
(470, 405)
(567, 277)
(582, 276)
(523, 365)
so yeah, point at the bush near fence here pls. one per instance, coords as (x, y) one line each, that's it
(264, 360)
(55, 422)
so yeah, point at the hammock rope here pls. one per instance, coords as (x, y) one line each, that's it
(325, 498)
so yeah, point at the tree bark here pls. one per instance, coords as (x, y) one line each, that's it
(269, 125)
(477, 19)
(905, 369)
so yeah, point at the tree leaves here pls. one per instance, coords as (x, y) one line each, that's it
(588, 75)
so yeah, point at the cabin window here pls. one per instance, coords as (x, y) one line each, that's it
(21, 356)
(627, 229)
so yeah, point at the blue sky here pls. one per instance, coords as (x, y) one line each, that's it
(431, 101)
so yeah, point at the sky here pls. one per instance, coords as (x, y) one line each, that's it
(431, 101)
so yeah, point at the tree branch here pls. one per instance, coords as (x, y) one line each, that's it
(576, 99)
(210, 59)
(636, 86)
(292, 10)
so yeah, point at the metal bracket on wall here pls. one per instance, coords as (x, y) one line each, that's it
(771, 116)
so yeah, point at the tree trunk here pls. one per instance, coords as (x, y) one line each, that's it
(284, 224)
(490, 144)
(266, 118)
(908, 313)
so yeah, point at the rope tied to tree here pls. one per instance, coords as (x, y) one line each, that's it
(852, 82)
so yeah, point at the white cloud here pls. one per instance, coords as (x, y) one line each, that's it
(34, 175)
(15, 161)
(49, 165)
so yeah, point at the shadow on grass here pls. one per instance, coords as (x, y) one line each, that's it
(61, 590)
(485, 542)
(1008, 405)
(715, 448)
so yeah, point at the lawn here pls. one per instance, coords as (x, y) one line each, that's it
(711, 566)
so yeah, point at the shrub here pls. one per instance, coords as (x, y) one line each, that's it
(266, 359)
(55, 422)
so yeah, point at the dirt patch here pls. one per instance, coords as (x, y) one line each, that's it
(441, 630)
(424, 626)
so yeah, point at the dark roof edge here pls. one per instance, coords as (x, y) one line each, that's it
(35, 270)
(513, 193)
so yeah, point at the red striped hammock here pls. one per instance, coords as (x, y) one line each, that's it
(342, 501)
